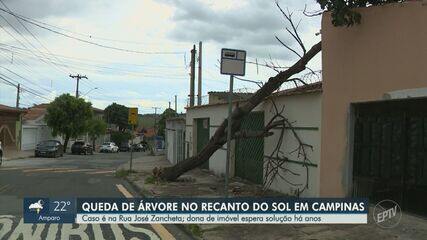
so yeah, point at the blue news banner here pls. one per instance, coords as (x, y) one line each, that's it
(197, 210)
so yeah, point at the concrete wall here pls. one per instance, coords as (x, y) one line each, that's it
(216, 115)
(304, 111)
(387, 52)
(171, 139)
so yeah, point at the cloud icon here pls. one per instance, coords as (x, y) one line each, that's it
(37, 206)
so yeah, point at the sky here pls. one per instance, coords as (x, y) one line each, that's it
(139, 50)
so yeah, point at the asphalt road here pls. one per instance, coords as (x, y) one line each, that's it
(70, 176)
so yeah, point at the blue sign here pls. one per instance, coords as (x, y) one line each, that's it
(45, 210)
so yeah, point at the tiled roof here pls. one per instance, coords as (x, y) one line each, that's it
(312, 87)
(309, 88)
(4, 108)
(35, 112)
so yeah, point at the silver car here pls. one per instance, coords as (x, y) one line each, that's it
(109, 147)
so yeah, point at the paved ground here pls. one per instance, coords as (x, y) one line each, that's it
(201, 183)
(69, 176)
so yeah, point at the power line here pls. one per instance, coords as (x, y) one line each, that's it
(86, 41)
(98, 61)
(91, 36)
(25, 27)
(28, 42)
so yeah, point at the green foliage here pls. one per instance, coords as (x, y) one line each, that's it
(96, 128)
(122, 173)
(117, 114)
(68, 116)
(343, 13)
(150, 180)
(195, 230)
(120, 137)
(168, 113)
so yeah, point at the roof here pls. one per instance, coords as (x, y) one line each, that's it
(309, 88)
(97, 110)
(4, 108)
(236, 95)
(312, 87)
(39, 110)
(36, 111)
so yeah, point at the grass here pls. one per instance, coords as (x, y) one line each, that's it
(195, 230)
(122, 173)
(150, 180)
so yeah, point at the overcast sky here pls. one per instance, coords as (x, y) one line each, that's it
(158, 34)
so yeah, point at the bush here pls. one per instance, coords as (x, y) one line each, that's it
(119, 137)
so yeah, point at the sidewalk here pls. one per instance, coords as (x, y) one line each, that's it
(14, 154)
(201, 183)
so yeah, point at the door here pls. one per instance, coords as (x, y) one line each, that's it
(29, 138)
(202, 137)
(390, 152)
(249, 153)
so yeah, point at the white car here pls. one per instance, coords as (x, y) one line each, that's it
(109, 147)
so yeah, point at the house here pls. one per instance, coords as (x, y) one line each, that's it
(175, 139)
(248, 156)
(34, 128)
(366, 122)
(10, 127)
(374, 115)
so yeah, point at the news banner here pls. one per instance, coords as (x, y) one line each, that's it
(196, 210)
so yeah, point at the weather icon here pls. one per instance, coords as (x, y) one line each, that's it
(36, 206)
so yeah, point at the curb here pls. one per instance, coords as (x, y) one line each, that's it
(144, 193)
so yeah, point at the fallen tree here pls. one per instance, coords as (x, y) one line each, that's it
(219, 138)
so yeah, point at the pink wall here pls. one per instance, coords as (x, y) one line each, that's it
(386, 52)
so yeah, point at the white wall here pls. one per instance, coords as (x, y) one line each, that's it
(216, 114)
(305, 113)
(171, 139)
(304, 110)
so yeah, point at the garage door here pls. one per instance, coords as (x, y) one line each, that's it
(390, 153)
(29, 138)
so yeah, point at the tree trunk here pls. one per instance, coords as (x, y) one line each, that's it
(219, 138)
(93, 143)
(67, 138)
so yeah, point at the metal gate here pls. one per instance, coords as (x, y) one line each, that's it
(202, 136)
(250, 152)
(390, 152)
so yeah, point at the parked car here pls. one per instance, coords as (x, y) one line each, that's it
(109, 147)
(49, 148)
(124, 147)
(138, 147)
(80, 147)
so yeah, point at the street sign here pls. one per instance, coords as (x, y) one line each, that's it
(233, 62)
(133, 116)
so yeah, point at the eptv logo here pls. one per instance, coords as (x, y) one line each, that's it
(387, 214)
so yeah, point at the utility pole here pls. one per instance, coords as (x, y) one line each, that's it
(77, 77)
(199, 82)
(155, 118)
(18, 91)
(176, 103)
(192, 75)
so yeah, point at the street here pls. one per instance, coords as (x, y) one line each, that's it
(69, 176)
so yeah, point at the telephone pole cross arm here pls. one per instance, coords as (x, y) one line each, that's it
(78, 77)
